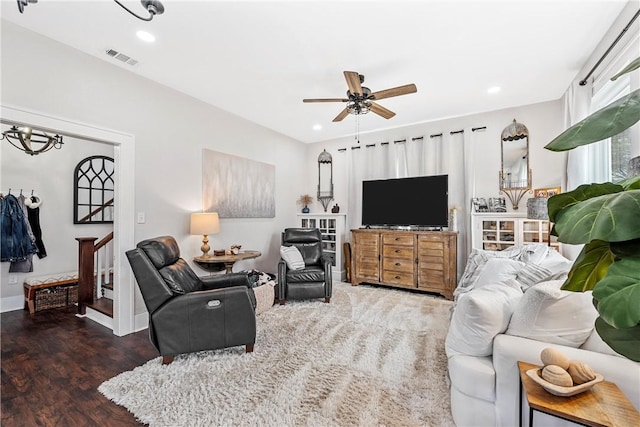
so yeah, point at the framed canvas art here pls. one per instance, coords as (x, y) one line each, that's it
(237, 187)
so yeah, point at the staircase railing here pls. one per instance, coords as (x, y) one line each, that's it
(90, 256)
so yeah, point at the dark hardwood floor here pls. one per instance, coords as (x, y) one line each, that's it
(52, 364)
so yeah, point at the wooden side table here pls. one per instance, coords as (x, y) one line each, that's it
(212, 262)
(602, 405)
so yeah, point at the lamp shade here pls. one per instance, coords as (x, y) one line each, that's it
(537, 208)
(205, 223)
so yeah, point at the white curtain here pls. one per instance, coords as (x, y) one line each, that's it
(417, 157)
(583, 163)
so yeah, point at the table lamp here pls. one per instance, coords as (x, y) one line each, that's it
(205, 223)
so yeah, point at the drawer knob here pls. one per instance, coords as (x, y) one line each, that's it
(397, 238)
(397, 277)
(397, 251)
(397, 264)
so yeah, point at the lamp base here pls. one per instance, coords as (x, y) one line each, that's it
(205, 248)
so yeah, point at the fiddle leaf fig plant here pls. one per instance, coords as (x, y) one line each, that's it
(606, 219)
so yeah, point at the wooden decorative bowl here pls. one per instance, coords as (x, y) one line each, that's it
(556, 390)
(218, 252)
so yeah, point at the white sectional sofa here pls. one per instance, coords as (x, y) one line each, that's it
(508, 308)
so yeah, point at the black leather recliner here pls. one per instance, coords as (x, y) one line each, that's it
(314, 280)
(188, 313)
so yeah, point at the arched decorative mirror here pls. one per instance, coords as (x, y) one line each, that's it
(515, 174)
(93, 190)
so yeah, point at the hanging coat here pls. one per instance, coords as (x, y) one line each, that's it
(15, 242)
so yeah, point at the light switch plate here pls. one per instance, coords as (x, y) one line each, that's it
(141, 217)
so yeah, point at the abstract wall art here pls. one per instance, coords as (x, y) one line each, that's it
(237, 187)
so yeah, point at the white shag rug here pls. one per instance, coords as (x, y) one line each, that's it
(372, 357)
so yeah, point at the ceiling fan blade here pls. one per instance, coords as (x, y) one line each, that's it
(344, 113)
(381, 111)
(353, 81)
(326, 100)
(396, 91)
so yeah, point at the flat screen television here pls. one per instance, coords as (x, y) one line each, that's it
(419, 201)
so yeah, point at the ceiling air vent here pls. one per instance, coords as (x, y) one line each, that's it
(121, 57)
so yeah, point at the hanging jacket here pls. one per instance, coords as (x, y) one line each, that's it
(15, 242)
(33, 214)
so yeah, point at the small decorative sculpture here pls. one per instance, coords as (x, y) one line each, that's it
(335, 208)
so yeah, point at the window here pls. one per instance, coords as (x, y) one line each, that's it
(615, 152)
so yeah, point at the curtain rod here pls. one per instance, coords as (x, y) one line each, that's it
(608, 51)
(453, 132)
(480, 128)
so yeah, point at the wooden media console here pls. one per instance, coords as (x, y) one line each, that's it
(421, 260)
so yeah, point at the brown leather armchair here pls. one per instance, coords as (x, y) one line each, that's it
(314, 280)
(188, 313)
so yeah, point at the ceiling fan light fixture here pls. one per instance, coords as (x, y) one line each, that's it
(358, 107)
(30, 141)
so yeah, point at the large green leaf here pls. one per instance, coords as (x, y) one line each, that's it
(590, 267)
(635, 64)
(632, 183)
(584, 192)
(611, 217)
(628, 249)
(610, 120)
(623, 341)
(618, 294)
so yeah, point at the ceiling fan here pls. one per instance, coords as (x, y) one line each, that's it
(360, 99)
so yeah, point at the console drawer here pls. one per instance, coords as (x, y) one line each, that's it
(398, 264)
(397, 277)
(393, 251)
(394, 239)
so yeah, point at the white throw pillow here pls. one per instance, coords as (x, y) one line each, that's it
(475, 265)
(480, 315)
(292, 256)
(555, 262)
(546, 313)
(532, 274)
(498, 270)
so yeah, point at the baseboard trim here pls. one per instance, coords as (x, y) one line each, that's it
(140, 321)
(11, 303)
(98, 317)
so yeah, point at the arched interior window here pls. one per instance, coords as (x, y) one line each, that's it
(93, 188)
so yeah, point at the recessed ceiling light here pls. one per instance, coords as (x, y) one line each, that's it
(317, 127)
(493, 89)
(147, 37)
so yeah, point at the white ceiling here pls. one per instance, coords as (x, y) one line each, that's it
(260, 59)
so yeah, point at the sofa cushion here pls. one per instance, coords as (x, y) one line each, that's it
(473, 376)
(532, 274)
(307, 274)
(479, 316)
(547, 313)
(292, 256)
(475, 265)
(499, 270)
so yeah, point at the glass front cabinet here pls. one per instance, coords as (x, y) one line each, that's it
(331, 227)
(496, 232)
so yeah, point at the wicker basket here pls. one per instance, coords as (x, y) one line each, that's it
(56, 297)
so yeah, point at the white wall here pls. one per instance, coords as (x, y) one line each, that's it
(170, 129)
(544, 121)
